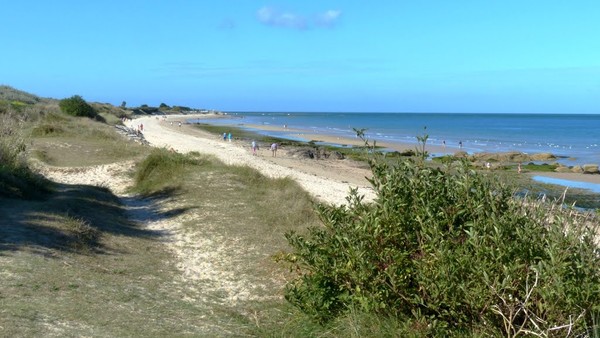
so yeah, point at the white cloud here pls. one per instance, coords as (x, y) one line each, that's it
(273, 17)
(328, 18)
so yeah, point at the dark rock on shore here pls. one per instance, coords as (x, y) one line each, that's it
(495, 160)
(510, 157)
(132, 134)
(315, 153)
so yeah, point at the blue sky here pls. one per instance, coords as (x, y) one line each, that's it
(507, 56)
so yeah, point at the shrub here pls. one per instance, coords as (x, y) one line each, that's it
(76, 106)
(450, 249)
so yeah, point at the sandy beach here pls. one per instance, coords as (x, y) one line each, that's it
(327, 180)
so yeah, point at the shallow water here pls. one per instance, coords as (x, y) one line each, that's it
(568, 183)
(574, 137)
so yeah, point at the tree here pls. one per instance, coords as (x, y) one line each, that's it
(163, 105)
(123, 104)
(76, 106)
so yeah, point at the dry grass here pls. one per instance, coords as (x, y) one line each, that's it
(195, 259)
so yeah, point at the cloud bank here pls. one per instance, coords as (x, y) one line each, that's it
(272, 16)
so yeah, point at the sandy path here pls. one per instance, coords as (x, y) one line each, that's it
(201, 256)
(318, 182)
(204, 257)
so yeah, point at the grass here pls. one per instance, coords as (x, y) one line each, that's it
(64, 141)
(86, 271)
(77, 266)
(544, 167)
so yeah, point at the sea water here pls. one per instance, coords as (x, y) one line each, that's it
(593, 187)
(575, 138)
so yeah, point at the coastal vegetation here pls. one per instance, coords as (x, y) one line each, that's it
(446, 249)
(450, 252)
(76, 106)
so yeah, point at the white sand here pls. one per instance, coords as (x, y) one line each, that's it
(327, 180)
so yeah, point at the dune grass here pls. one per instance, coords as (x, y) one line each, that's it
(63, 141)
(76, 265)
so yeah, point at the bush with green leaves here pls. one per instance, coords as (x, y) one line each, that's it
(452, 251)
(76, 106)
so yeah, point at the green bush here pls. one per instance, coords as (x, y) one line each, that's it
(76, 106)
(452, 250)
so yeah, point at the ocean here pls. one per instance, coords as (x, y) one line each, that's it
(575, 138)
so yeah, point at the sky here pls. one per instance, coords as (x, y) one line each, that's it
(480, 56)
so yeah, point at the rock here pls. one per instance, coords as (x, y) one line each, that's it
(461, 154)
(337, 155)
(314, 153)
(303, 152)
(132, 134)
(513, 156)
(577, 169)
(543, 157)
(590, 169)
(562, 169)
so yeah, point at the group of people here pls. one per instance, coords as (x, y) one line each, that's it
(254, 147)
(460, 144)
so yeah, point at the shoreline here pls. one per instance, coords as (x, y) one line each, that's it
(503, 133)
(320, 168)
(309, 135)
(328, 181)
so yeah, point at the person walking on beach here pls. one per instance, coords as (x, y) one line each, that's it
(224, 136)
(274, 149)
(460, 144)
(229, 137)
(254, 147)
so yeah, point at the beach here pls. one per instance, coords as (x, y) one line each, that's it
(327, 180)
